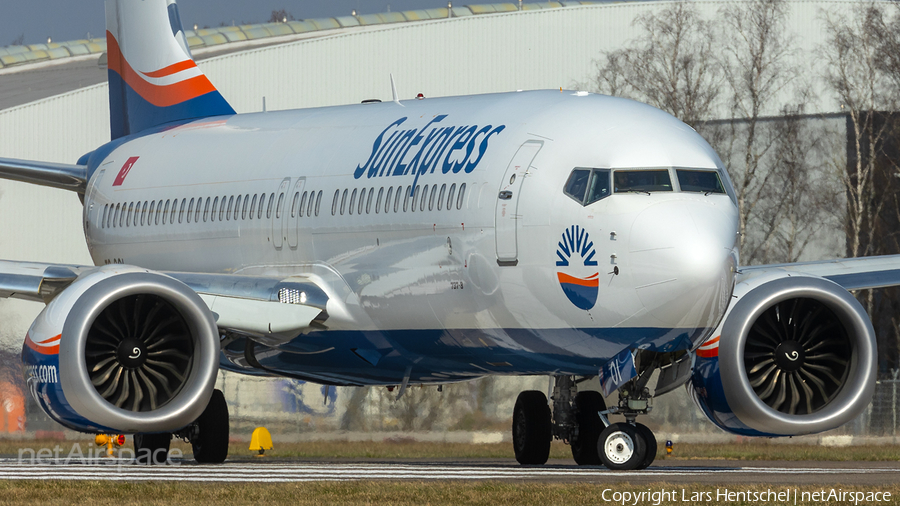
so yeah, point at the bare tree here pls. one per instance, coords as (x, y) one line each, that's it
(808, 201)
(18, 41)
(756, 51)
(855, 74)
(671, 66)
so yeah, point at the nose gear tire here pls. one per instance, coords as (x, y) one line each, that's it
(650, 442)
(621, 448)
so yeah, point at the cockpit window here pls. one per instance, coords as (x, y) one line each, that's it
(702, 181)
(642, 181)
(588, 185)
(576, 186)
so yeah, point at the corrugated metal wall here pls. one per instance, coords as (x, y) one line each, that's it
(476, 54)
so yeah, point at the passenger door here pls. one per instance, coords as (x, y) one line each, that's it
(277, 230)
(292, 223)
(506, 213)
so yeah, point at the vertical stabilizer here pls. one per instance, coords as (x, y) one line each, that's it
(153, 79)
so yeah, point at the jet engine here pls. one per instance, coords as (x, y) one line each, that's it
(794, 354)
(123, 350)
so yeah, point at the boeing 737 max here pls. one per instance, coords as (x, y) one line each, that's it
(421, 242)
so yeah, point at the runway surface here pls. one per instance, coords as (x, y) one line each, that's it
(283, 470)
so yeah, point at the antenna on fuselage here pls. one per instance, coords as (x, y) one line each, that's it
(394, 92)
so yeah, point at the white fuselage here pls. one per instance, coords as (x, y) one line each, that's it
(665, 260)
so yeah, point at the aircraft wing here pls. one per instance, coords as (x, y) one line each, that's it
(249, 304)
(851, 273)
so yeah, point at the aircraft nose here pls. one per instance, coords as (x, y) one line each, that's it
(682, 257)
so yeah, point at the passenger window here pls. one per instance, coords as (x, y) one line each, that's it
(246, 206)
(280, 206)
(103, 216)
(362, 199)
(577, 184)
(309, 207)
(424, 197)
(253, 206)
(318, 202)
(369, 200)
(262, 204)
(415, 198)
(440, 200)
(599, 187)
(174, 206)
(352, 201)
(387, 199)
(143, 212)
(190, 210)
(181, 212)
(230, 207)
(642, 181)
(302, 204)
(405, 197)
(115, 220)
(462, 194)
(165, 215)
(128, 215)
(378, 202)
(215, 207)
(156, 214)
(450, 196)
(344, 201)
(237, 208)
(701, 181)
(431, 199)
(206, 211)
(294, 203)
(269, 207)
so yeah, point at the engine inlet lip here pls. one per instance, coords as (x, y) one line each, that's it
(853, 396)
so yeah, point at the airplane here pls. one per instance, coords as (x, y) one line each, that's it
(421, 242)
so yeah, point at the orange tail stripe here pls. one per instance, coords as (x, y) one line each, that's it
(160, 96)
(571, 280)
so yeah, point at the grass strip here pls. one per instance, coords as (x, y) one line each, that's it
(420, 493)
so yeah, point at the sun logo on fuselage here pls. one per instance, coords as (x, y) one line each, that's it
(576, 254)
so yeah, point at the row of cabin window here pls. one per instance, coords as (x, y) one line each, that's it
(243, 207)
(361, 200)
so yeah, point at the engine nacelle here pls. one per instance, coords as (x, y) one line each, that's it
(123, 350)
(793, 355)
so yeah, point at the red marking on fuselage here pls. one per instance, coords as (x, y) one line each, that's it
(125, 170)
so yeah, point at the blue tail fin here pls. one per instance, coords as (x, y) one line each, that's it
(153, 79)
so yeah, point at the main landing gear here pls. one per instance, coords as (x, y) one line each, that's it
(580, 419)
(208, 436)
